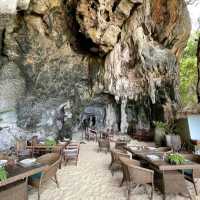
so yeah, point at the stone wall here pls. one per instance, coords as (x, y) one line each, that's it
(57, 52)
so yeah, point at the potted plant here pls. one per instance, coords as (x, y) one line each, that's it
(175, 159)
(160, 131)
(50, 143)
(3, 174)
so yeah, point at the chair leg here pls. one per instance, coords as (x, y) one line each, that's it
(77, 161)
(66, 161)
(110, 165)
(195, 187)
(56, 179)
(129, 191)
(152, 191)
(164, 196)
(38, 193)
(121, 182)
(112, 171)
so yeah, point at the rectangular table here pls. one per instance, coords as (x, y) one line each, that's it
(15, 187)
(172, 180)
(17, 172)
(161, 164)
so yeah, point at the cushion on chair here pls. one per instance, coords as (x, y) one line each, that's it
(188, 172)
(35, 176)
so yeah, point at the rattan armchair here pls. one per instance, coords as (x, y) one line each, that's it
(192, 175)
(104, 144)
(21, 148)
(120, 145)
(91, 135)
(71, 153)
(139, 176)
(125, 162)
(53, 161)
(115, 164)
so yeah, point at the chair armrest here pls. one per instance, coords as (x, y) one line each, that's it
(143, 169)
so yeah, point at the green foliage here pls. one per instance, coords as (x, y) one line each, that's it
(49, 142)
(188, 72)
(161, 125)
(176, 159)
(3, 174)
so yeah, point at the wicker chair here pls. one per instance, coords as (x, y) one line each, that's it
(34, 142)
(89, 135)
(14, 191)
(71, 153)
(115, 164)
(192, 175)
(120, 145)
(104, 144)
(53, 161)
(125, 162)
(139, 176)
(3, 156)
(21, 148)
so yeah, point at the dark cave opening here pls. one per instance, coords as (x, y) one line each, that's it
(79, 42)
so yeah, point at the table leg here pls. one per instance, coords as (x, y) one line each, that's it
(174, 182)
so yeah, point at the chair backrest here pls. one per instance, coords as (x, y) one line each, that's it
(103, 141)
(48, 158)
(140, 175)
(120, 145)
(72, 150)
(116, 154)
(125, 162)
(50, 171)
(3, 156)
(21, 145)
(196, 159)
(34, 140)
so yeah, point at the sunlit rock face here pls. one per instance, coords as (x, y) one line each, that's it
(143, 65)
(55, 53)
(102, 20)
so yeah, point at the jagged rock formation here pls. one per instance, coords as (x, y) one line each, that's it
(118, 57)
(102, 21)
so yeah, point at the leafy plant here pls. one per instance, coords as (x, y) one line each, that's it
(3, 174)
(161, 125)
(176, 159)
(49, 142)
(169, 127)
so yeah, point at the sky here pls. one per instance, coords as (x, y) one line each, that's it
(194, 11)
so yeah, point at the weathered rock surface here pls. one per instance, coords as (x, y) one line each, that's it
(73, 55)
(102, 21)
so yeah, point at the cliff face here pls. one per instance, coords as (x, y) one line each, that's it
(116, 61)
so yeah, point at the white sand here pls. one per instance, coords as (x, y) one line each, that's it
(92, 180)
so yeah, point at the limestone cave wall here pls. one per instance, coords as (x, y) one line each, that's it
(64, 54)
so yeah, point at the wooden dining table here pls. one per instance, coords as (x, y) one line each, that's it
(168, 178)
(15, 186)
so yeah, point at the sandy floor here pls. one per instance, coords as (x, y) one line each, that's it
(91, 180)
